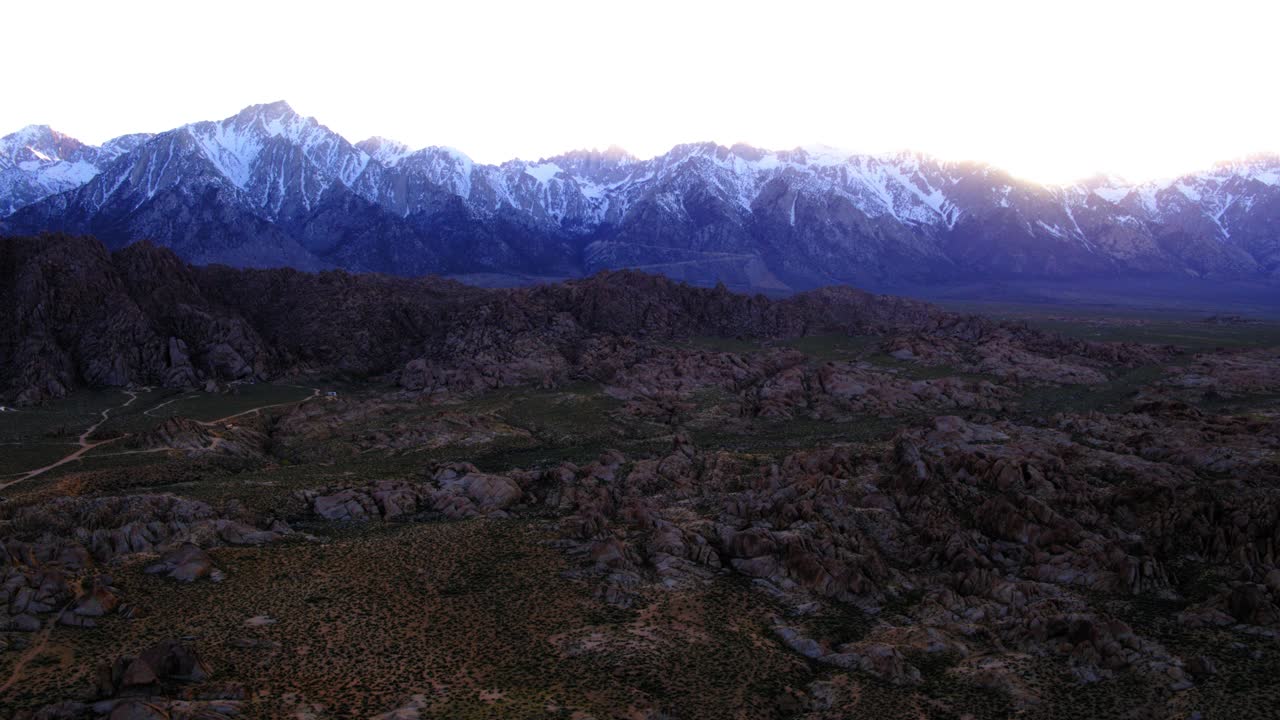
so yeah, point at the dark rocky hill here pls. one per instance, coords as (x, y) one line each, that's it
(80, 316)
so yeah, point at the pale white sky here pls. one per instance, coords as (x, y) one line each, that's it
(1052, 91)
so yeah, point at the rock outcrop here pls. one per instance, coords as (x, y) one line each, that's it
(79, 316)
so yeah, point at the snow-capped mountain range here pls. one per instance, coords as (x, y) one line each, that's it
(270, 187)
(36, 162)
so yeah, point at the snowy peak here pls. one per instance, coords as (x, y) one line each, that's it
(909, 188)
(269, 112)
(384, 151)
(820, 155)
(408, 182)
(277, 163)
(37, 162)
(40, 144)
(115, 147)
(20, 146)
(685, 151)
(1111, 188)
(542, 171)
(1104, 180)
(595, 165)
(1263, 168)
(278, 120)
(284, 162)
(281, 170)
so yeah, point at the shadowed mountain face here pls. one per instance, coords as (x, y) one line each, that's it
(83, 316)
(78, 315)
(269, 188)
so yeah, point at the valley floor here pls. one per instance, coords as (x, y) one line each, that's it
(822, 527)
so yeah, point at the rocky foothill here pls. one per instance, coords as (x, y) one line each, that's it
(59, 553)
(960, 538)
(896, 510)
(78, 316)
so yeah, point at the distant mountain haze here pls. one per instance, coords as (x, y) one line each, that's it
(268, 187)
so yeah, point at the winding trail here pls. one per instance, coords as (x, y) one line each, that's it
(83, 440)
(148, 411)
(86, 446)
(315, 393)
(37, 647)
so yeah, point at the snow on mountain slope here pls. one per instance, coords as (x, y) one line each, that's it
(281, 160)
(37, 162)
(584, 189)
(810, 208)
(384, 151)
(1208, 196)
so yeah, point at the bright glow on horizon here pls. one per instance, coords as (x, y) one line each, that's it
(1052, 92)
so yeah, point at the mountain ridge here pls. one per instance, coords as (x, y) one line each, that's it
(269, 187)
